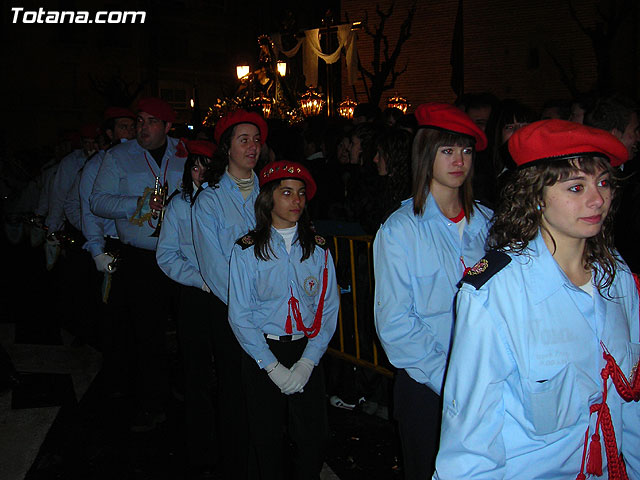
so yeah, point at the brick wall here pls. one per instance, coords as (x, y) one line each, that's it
(505, 48)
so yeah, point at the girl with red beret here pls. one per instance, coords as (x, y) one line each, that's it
(283, 307)
(420, 254)
(222, 212)
(177, 259)
(542, 380)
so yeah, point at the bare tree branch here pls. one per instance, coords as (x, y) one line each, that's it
(383, 74)
(568, 80)
(574, 15)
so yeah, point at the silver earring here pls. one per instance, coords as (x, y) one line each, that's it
(539, 207)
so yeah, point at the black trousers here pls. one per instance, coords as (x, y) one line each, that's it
(271, 413)
(232, 429)
(77, 276)
(418, 410)
(116, 341)
(143, 291)
(196, 337)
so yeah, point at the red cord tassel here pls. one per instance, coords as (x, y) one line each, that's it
(594, 462)
(287, 325)
(294, 306)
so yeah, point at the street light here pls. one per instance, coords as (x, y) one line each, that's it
(242, 71)
(311, 102)
(398, 102)
(282, 68)
(264, 103)
(346, 108)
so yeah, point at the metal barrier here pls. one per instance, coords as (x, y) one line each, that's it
(356, 340)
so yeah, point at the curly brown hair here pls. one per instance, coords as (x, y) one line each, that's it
(517, 219)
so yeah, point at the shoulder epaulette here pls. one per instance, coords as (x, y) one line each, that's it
(246, 241)
(321, 241)
(481, 272)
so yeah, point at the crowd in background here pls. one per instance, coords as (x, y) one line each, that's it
(362, 168)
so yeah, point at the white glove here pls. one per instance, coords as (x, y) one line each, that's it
(102, 262)
(52, 240)
(300, 373)
(51, 252)
(206, 288)
(279, 374)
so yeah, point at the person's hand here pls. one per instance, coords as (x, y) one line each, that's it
(206, 288)
(53, 239)
(279, 374)
(300, 373)
(103, 261)
(155, 203)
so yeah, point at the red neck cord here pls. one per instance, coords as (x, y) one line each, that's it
(629, 391)
(294, 307)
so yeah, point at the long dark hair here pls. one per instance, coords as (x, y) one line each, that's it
(187, 180)
(425, 147)
(517, 219)
(262, 232)
(394, 146)
(220, 159)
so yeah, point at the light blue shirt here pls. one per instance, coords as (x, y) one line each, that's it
(219, 217)
(175, 254)
(72, 203)
(121, 181)
(417, 270)
(259, 293)
(67, 170)
(525, 367)
(94, 228)
(48, 174)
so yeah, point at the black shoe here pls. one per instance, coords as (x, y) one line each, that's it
(147, 421)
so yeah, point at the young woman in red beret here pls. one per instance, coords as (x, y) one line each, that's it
(221, 213)
(283, 307)
(177, 259)
(542, 379)
(420, 255)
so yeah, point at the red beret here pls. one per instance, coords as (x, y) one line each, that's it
(448, 118)
(201, 147)
(91, 130)
(240, 116)
(156, 107)
(118, 112)
(285, 169)
(559, 139)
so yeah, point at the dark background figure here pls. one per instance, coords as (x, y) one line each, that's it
(393, 161)
(619, 116)
(480, 107)
(511, 116)
(556, 108)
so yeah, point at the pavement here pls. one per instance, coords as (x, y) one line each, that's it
(59, 424)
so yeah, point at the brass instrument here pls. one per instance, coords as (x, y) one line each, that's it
(111, 266)
(106, 282)
(159, 191)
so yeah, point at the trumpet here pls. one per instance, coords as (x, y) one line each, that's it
(159, 191)
(111, 266)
